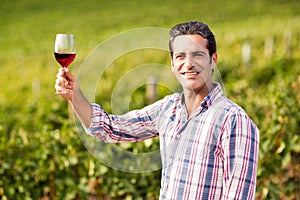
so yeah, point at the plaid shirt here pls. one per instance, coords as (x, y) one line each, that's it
(211, 155)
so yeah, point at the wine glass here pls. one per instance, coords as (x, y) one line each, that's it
(64, 52)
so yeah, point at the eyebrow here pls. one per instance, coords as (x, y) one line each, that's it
(198, 52)
(193, 53)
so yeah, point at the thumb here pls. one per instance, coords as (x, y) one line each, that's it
(69, 75)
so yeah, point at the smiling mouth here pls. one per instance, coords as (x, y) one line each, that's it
(190, 73)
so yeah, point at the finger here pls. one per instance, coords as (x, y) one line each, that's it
(62, 70)
(60, 73)
(58, 87)
(61, 80)
(63, 83)
(70, 76)
(65, 73)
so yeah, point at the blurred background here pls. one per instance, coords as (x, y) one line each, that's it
(41, 154)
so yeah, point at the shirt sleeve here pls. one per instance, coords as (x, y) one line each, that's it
(240, 144)
(134, 126)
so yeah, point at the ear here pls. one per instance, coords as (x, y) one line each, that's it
(214, 60)
(172, 65)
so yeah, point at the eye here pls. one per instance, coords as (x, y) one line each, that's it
(179, 56)
(199, 53)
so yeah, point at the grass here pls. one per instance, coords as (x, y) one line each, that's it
(28, 29)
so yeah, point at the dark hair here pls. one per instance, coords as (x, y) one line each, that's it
(190, 28)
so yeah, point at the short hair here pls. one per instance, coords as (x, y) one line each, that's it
(190, 28)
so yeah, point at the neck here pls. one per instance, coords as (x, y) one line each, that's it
(193, 99)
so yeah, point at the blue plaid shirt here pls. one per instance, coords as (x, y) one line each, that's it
(213, 154)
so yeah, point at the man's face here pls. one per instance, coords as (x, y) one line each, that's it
(192, 64)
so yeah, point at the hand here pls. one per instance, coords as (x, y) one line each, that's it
(64, 79)
(81, 106)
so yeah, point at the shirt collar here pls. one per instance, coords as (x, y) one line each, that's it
(214, 94)
(210, 99)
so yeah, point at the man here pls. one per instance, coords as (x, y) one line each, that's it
(209, 146)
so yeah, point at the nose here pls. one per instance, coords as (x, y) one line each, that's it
(189, 62)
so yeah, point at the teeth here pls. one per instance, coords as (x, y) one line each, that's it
(191, 73)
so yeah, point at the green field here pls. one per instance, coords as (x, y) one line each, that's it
(41, 153)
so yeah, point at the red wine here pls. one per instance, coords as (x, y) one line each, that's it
(64, 59)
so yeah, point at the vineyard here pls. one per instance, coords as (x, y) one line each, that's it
(43, 153)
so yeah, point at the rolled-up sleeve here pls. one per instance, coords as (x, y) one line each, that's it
(136, 125)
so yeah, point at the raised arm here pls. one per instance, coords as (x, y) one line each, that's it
(79, 103)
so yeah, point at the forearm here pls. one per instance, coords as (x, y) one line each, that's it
(133, 126)
(81, 107)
